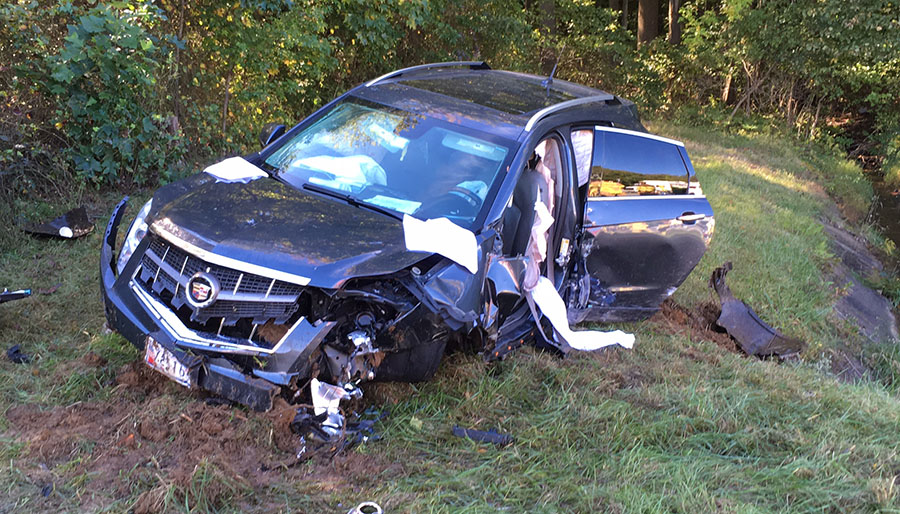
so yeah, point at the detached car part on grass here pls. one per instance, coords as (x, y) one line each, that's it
(8, 296)
(753, 335)
(437, 205)
(70, 225)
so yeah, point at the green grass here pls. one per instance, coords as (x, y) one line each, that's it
(671, 426)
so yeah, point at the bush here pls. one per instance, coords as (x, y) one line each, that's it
(99, 86)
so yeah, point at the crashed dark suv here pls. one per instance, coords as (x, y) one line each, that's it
(436, 205)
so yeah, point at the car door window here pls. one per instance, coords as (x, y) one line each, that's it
(628, 163)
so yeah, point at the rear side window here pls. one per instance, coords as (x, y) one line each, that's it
(628, 163)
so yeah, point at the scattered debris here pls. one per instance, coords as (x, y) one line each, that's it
(47, 490)
(50, 290)
(70, 225)
(366, 508)
(490, 436)
(7, 296)
(324, 427)
(16, 355)
(753, 335)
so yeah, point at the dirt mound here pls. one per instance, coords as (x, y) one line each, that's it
(698, 324)
(151, 434)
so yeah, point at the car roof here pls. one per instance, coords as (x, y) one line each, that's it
(500, 102)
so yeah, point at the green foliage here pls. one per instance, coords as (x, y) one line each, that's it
(103, 82)
(125, 93)
(99, 82)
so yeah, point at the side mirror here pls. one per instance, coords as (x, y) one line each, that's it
(270, 132)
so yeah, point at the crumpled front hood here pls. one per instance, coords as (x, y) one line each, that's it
(270, 224)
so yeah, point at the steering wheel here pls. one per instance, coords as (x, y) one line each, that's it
(457, 202)
(470, 197)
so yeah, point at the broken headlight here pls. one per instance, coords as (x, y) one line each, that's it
(136, 232)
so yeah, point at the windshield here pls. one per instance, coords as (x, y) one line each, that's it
(394, 159)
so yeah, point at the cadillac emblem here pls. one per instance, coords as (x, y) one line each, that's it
(201, 290)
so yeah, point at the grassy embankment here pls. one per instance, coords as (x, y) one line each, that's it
(673, 425)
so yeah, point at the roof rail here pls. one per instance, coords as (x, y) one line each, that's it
(473, 65)
(546, 111)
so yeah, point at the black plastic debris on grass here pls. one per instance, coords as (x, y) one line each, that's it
(481, 436)
(319, 434)
(7, 296)
(753, 335)
(70, 225)
(16, 355)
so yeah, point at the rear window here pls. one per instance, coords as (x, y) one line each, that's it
(628, 163)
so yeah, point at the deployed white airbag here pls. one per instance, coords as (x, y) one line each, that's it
(547, 298)
(443, 237)
(235, 169)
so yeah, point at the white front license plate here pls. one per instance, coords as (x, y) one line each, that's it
(164, 361)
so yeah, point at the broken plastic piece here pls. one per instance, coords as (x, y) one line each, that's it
(315, 435)
(442, 236)
(16, 355)
(70, 225)
(490, 436)
(326, 400)
(7, 296)
(235, 169)
(552, 306)
(753, 335)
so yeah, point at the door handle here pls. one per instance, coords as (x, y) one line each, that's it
(690, 217)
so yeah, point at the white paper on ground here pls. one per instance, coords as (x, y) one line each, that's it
(551, 304)
(444, 237)
(235, 169)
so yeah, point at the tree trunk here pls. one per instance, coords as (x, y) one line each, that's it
(674, 22)
(625, 14)
(812, 129)
(548, 20)
(615, 5)
(727, 91)
(648, 21)
(225, 103)
(176, 96)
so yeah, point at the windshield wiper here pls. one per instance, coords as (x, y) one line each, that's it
(350, 199)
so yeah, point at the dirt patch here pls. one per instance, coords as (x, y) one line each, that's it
(848, 367)
(150, 435)
(92, 360)
(698, 324)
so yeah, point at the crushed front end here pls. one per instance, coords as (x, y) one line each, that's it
(248, 335)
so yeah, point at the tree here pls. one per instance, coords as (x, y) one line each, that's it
(548, 26)
(648, 20)
(674, 22)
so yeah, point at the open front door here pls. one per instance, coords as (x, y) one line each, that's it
(646, 223)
